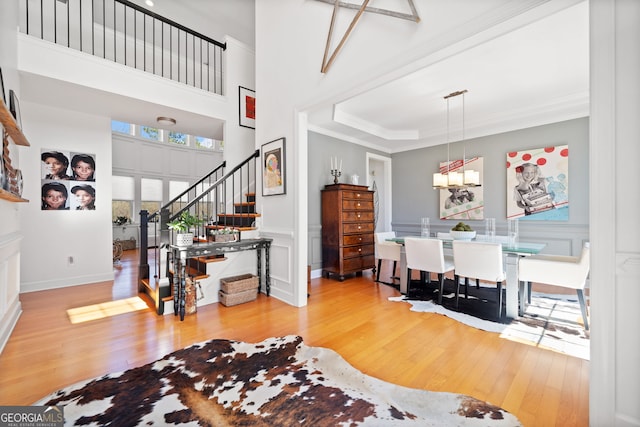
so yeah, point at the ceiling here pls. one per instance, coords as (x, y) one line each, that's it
(534, 75)
(531, 76)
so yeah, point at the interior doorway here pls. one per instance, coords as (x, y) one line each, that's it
(379, 178)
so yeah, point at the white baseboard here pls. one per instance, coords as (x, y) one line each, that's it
(9, 323)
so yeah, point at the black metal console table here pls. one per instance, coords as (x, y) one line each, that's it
(182, 253)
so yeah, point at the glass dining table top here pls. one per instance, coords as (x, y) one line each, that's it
(524, 248)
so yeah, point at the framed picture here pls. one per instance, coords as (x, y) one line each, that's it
(273, 168)
(463, 203)
(14, 107)
(247, 99)
(538, 184)
(4, 97)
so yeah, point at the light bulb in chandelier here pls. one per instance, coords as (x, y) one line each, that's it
(456, 179)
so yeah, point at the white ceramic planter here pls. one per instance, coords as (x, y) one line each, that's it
(184, 239)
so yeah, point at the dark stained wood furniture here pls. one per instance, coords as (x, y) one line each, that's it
(347, 230)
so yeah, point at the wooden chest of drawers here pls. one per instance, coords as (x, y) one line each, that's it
(347, 230)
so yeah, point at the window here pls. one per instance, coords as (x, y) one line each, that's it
(206, 143)
(175, 188)
(178, 138)
(122, 188)
(121, 127)
(150, 133)
(157, 134)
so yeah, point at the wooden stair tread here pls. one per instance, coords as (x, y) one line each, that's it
(245, 204)
(147, 285)
(222, 226)
(196, 274)
(239, 215)
(212, 258)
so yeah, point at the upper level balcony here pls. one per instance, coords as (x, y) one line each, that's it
(125, 33)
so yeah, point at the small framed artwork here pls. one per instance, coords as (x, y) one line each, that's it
(273, 168)
(4, 98)
(247, 99)
(14, 107)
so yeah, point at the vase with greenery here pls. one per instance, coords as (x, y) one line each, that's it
(183, 226)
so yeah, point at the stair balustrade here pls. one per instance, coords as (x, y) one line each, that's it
(123, 32)
(220, 200)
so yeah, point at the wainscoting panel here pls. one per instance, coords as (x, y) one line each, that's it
(315, 247)
(627, 294)
(10, 307)
(281, 264)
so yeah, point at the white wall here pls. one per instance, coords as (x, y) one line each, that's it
(239, 71)
(53, 236)
(615, 233)
(233, 18)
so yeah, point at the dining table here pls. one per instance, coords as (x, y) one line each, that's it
(512, 251)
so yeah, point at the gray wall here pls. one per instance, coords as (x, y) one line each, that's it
(414, 170)
(414, 198)
(321, 149)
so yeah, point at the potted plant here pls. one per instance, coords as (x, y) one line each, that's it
(183, 226)
(121, 220)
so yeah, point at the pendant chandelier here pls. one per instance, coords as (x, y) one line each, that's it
(453, 178)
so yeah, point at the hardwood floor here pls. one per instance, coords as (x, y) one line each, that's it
(381, 338)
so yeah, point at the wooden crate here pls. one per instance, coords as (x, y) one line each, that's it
(243, 282)
(237, 297)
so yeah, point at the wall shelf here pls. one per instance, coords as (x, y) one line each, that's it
(11, 126)
(11, 197)
(15, 133)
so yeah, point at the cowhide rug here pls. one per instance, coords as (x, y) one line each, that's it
(278, 382)
(551, 321)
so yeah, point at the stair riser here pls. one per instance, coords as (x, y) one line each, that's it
(236, 222)
(245, 209)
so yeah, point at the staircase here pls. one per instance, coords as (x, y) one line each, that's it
(222, 200)
(244, 215)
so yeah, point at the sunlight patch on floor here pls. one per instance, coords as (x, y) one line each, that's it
(105, 309)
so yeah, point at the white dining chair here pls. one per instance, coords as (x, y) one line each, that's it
(427, 255)
(481, 261)
(556, 270)
(386, 250)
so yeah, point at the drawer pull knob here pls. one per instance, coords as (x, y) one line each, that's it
(357, 194)
(358, 205)
(358, 215)
(359, 249)
(359, 227)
